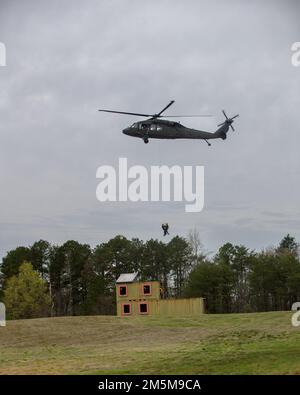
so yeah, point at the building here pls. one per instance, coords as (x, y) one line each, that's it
(144, 298)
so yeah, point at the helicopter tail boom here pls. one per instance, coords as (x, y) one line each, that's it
(221, 133)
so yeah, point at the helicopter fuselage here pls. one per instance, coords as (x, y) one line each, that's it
(163, 129)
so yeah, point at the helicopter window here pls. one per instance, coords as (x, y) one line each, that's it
(159, 128)
(153, 127)
(143, 126)
(133, 125)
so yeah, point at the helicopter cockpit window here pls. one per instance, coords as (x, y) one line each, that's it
(133, 125)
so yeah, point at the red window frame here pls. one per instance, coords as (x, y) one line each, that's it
(121, 286)
(122, 308)
(147, 304)
(150, 286)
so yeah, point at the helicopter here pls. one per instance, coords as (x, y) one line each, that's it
(157, 128)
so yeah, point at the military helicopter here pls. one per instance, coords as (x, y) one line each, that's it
(157, 128)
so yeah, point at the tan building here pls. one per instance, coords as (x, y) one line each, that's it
(144, 298)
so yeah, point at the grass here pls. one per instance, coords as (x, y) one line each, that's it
(257, 343)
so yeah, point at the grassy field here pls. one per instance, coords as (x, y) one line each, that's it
(260, 343)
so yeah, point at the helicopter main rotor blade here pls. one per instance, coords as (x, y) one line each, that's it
(237, 115)
(128, 113)
(184, 116)
(164, 109)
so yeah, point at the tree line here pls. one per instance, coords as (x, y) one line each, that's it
(81, 280)
(75, 279)
(239, 280)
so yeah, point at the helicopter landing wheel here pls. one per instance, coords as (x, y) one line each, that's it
(146, 141)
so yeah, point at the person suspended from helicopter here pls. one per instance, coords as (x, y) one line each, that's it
(165, 228)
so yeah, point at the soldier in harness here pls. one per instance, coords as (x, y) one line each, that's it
(165, 228)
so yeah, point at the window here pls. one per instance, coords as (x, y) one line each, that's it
(146, 289)
(144, 126)
(123, 291)
(143, 308)
(159, 128)
(153, 127)
(126, 309)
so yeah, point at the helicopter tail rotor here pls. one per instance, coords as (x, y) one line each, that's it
(228, 121)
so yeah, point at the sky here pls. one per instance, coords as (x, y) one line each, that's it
(67, 59)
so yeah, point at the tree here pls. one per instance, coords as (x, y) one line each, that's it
(156, 265)
(262, 281)
(238, 258)
(288, 245)
(99, 297)
(37, 254)
(26, 294)
(196, 246)
(56, 280)
(39, 257)
(12, 261)
(76, 255)
(179, 256)
(209, 281)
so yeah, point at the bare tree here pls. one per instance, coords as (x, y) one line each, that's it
(196, 246)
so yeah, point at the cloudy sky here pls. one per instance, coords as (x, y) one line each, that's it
(67, 59)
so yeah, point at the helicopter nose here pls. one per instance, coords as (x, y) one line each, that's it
(126, 131)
